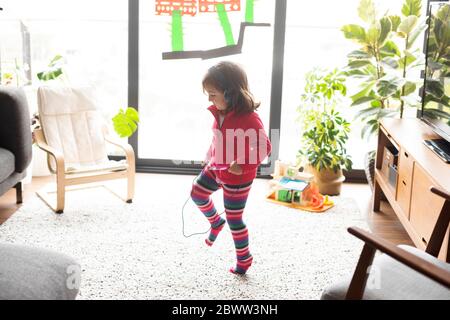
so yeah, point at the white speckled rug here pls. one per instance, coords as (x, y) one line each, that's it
(137, 251)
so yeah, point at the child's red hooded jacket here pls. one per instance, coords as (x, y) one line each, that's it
(241, 138)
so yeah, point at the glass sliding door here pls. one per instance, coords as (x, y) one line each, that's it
(314, 39)
(178, 42)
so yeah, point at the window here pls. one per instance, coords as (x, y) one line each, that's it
(91, 36)
(313, 38)
(175, 124)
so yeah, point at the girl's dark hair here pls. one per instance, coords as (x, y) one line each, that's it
(231, 79)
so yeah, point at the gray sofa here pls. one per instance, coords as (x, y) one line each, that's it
(15, 139)
(26, 272)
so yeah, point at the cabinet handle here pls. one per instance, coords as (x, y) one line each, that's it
(403, 181)
(424, 241)
(406, 155)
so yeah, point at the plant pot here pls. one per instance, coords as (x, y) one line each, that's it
(369, 167)
(328, 181)
(29, 174)
(39, 163)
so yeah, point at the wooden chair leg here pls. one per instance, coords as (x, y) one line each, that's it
(49, 201)
(18, 188)
(377, 194)
(60, 194)
(130, 186)
(60, 189)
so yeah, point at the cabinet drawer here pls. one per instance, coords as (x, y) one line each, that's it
(404, 182)
(425, 205)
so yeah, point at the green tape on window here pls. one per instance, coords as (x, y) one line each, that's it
(177, 31)
(226, 26)
(249, 4)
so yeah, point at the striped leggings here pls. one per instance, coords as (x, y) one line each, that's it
(235, 198)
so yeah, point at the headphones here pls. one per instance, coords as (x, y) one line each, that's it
(227, 97)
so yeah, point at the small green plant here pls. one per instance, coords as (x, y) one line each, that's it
(7, 78)
(325, 131)
(125, 122)
(54, 69)
(16, 76)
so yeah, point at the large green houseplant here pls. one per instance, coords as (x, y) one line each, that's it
(438, 59)
(386, 65)
(325, 131)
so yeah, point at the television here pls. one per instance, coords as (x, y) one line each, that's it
(435, 110)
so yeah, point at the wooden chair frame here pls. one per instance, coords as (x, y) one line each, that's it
(374, 243)
(63, 179)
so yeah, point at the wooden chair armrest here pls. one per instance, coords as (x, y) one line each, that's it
(441, 193)
(39, 139)
(440, 228)
(126, 147)
(434, 272)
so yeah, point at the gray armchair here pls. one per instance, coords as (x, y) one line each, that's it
(400, 272)
(15, 139)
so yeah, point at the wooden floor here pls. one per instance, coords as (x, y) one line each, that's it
(384, 223)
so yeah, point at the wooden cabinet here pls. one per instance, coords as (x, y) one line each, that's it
(425, 205)
(406, 185)
(404, 181)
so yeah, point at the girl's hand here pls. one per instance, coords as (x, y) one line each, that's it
(235, 168)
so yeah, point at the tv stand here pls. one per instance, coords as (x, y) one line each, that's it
(441, 147)
(405, 169)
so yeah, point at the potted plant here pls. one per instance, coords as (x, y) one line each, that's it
(325, 131)
(438, 59)
(386, 66)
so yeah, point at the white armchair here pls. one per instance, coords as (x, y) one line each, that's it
(74, 136)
